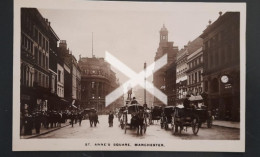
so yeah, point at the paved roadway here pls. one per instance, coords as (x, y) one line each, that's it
(102, 131)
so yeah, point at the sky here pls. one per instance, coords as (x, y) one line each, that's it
(130, 31)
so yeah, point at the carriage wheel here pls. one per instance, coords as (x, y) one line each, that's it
(209, 122)
(195, 126)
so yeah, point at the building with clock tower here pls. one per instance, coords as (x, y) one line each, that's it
(165, 47)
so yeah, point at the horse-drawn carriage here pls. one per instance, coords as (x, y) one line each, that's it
(166, 117)
(156, 113)
(134, 117)
(202, 111)
(184, 118)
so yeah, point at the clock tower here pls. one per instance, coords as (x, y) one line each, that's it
(163, 34)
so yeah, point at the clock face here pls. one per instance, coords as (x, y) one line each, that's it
(224, 79)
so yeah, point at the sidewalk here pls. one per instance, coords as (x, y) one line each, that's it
(44, 131)
(228, 124)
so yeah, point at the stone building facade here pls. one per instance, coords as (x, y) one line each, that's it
(36, 38)
(165, 47)
(221, 53)
(195, 71)
(97, 81)
(182, 67)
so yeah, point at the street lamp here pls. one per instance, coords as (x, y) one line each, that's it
(98, 103)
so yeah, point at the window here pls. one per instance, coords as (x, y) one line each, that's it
(195, 77)
(40, 79)
(43, 57)
(43, 80)
(47, 62)
(199, 76)
(59, 76)
(43, 41)
(47, 45)
(47, 81)
(40, 58)
(36, 76)
(40, 39)
(36, 54)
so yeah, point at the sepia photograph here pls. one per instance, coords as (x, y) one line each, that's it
(117, 76)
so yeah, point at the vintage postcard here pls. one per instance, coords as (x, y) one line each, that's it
(137, 76)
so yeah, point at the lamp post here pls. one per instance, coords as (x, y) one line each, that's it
(93, 99)
(98, 102)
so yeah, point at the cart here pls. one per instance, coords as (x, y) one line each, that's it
(184, 118)
(166, 117)
(134, 117)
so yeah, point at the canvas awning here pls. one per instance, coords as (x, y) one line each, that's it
(196, 98)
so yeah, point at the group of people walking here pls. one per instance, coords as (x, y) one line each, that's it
(41, 119)
(51, 119)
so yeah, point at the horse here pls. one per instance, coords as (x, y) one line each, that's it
(138, 120)
(93, 119)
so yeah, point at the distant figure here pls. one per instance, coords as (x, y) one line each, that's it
(110, 119)
(72, 117)
(186, 102)
(129, 92)
(134, 101)
(80, 118)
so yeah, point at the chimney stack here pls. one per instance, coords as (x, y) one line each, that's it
(63, 44)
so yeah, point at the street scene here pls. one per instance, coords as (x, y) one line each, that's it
(103, 131)
(129, 75)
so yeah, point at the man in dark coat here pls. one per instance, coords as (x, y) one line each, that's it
(72, 117)
(110, 119)
(80, 118)
(37, 122)
(134, 101)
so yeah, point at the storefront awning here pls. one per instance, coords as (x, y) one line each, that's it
(196, 98)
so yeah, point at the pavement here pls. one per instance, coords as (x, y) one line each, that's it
(227, 124)
(44, 131)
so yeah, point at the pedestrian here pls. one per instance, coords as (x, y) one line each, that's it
(28, 124)
(80, 118)
(21, 122)
(110, 119)
(37, 122)
(72, 116)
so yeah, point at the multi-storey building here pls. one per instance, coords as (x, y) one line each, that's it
(170, 84)
(182, 67)
(36, 35)
(72, 75)
(165, 47)
(222, 65)
(195, 71)
(97, 81)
